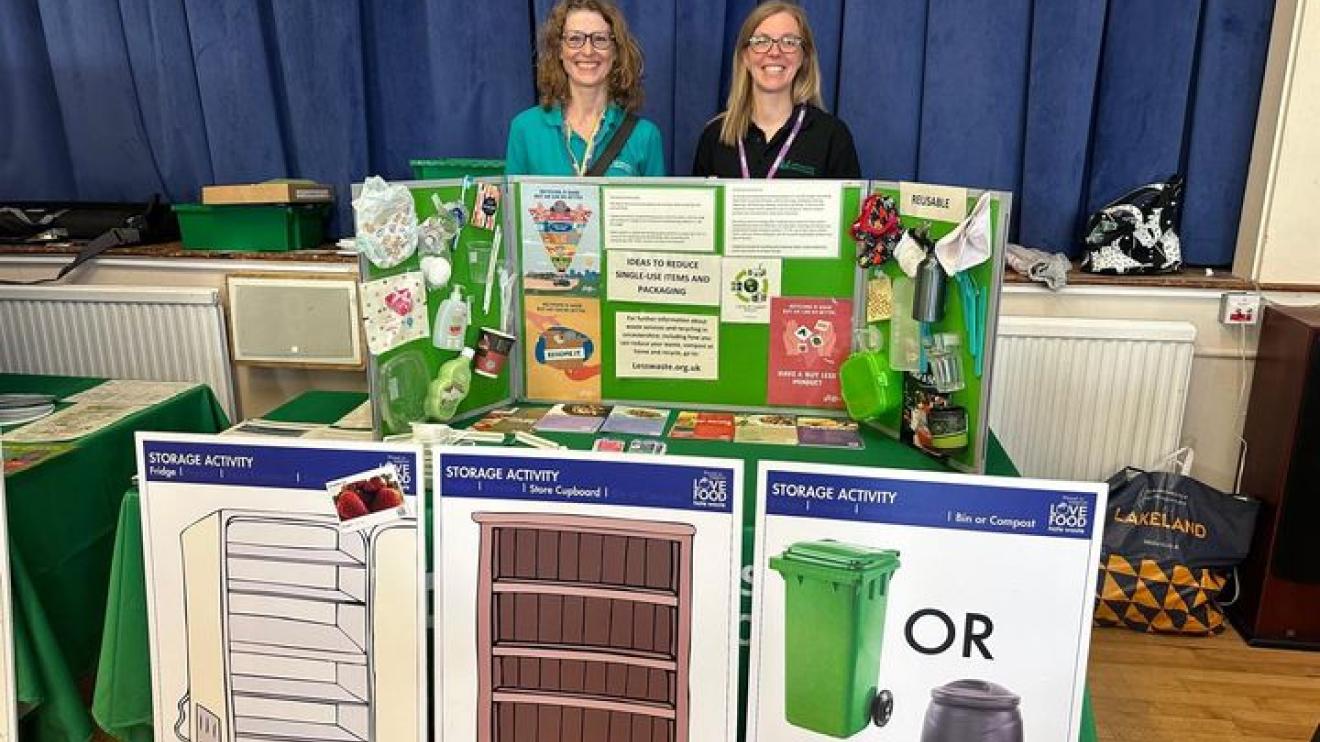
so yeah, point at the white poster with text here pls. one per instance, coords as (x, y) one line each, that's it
(782, 218)
(674, 219)
(657, 278)
(655, 345)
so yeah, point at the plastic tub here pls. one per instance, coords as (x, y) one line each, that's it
(254, 228)
(456, 167)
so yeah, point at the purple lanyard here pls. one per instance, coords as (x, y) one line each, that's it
(788, 143)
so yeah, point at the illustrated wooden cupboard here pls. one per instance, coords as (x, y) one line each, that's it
(297, 630)
(584, 629)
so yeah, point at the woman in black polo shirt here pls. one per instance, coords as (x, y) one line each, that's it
(774, 126)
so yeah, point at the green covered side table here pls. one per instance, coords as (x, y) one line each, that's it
(63, 515)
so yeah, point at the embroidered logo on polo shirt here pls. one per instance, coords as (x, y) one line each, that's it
(798, 167)
(621, 165)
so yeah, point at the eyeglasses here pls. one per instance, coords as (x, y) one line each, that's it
(788, 43)
(600, 41)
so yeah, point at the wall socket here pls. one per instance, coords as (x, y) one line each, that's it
(1239, 308)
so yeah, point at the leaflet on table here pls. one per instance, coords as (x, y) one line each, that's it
(75, 421)
(671, 219)
(666, 345)
(941, 604)
(782, 218)
(548, 558)
(131, 392)
(274, 562)
(560, 228)
(636, 420)
(20, 456)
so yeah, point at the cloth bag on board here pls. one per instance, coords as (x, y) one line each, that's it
(1170, 541)
(1137, 232)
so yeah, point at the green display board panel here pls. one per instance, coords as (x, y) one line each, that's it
(743, 349)
(988, 275)
(484, 392)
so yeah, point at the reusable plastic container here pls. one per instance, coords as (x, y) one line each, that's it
(455, 167)
(255, 228)
(870, 387)
(835, 600)
(972, 710)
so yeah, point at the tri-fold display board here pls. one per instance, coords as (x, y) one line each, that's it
(764, 296)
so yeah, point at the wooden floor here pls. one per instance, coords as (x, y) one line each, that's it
(1156, 688)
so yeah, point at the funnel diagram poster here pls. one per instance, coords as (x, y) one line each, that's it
(560, 231)
(284, 593)
(901, 605)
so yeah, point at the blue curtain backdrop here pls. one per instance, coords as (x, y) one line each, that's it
(1066, 103)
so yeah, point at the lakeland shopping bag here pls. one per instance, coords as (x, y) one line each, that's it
(1169, 543)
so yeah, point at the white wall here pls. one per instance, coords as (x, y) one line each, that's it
(1277, 237)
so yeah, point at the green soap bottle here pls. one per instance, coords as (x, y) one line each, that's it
(450, 387)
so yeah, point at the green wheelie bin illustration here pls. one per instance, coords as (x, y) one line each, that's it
(834, 604)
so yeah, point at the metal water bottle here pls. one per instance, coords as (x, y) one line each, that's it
(928, 304)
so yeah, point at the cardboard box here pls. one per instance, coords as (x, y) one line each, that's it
(275, 192)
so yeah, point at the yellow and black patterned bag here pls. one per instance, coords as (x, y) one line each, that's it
(1170, 541)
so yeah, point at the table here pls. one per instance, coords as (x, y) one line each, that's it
(62, 524)
(124, 708)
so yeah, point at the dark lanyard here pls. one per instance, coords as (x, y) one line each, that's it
(783, 151)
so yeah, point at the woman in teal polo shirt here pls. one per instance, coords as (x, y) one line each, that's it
(589, 74)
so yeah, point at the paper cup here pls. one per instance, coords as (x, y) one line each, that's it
(493, 348)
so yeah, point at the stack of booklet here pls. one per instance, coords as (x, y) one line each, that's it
(24, 408)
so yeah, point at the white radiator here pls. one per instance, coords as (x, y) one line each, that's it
(121, 332)
(1082, 398)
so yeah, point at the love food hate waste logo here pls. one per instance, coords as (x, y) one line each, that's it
(1069, 514)
(710, 490)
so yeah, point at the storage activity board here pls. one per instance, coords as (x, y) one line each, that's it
(8, 687)
(284, 588)
(436, 276)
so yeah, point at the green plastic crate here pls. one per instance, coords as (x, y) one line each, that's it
(834, 625)
(255, 228)
(456, 167)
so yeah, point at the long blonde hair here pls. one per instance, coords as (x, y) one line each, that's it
(625, 80)
(806, 84)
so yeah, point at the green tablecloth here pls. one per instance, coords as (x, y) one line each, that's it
(123, 693)
(62, 521)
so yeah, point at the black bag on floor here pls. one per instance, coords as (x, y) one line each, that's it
(99, 226)
(1169, 543)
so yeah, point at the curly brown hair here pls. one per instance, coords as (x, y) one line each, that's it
(625, 74)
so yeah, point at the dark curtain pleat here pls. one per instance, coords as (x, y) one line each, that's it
(881, 84)
(1145, 87)
(1065, 60)
(34, 153)
(98, 103)
(1235, 37)
(974, 101)
(1067, 104)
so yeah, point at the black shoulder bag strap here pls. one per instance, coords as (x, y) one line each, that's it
(612, 150)
(115, 237)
